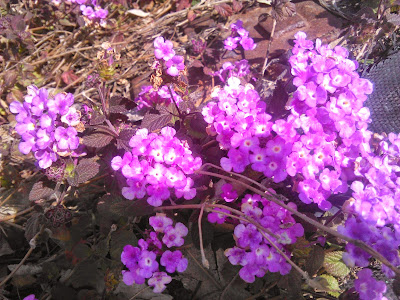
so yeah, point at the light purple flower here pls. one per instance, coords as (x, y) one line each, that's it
(163, 49)
(159, 281)
(66, 138)
(160, 222)
(173, 261)
(174, 65)
(173, 236)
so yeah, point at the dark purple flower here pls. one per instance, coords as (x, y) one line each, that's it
(228, 193)
(130, 256)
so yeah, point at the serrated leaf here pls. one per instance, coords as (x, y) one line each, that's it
(124, 137)
(86, 169)
(119, 105)
(334, 264)
(32, 226)
(332, 285)
(39, 191)
(292, 283)
(97, 119)
(97, 140)
(119, 239)
(154, 122)
(133, 208)
(315, 260)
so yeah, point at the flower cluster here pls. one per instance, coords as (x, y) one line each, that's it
(144, 262)
(383, 240)
(157, 164)
(89, 8)
(174, 65)
(150, 97)
(236, 69)
(46, 125)
(368, 287)
(376, 189)
(253, 251)
(328, 108)
(244, 129)
(239, 35)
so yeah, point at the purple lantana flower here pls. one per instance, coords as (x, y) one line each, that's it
(159, 281)
(173, 261)
(174, 65)
(163, 49)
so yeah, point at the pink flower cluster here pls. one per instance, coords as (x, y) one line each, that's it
(144, 262)
(156, 165)
(89, 8)
(252, 251)
(174, 65)
(242, 127)
(241, 36)
(46, 125)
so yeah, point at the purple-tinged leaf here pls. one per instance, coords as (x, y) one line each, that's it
(97, 140)
(315, 260)
(124, 137)
(39, 191)
(97, 119)
(154, 122)
(33, 226)
(86, 170)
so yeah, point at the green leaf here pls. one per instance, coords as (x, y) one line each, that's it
(332, 285)
(334, 264)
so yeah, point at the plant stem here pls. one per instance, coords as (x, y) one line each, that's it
(274, 199)
(271, 38)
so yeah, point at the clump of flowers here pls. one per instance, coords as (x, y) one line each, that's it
(253, 251)
(157, 165)
(243, 128)
(90, 9)
(153, 259)
(47, 125)
(240, 36)
(368, 287)
(166, 61)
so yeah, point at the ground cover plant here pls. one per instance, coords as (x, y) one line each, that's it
(157, 162)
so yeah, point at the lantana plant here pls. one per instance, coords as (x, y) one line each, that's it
(268, 179)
